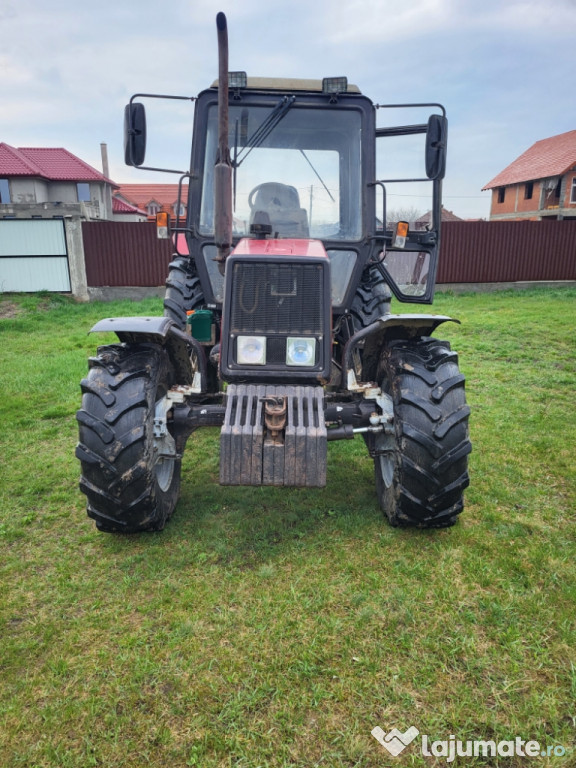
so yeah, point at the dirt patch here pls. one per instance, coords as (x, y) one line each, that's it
(9, 309)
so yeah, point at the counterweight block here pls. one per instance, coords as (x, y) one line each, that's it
(273, 435)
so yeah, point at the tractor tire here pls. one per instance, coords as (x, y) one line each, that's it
(130, 467)
(183, 291)
(372, 299)
(423, 468)
(183, 294)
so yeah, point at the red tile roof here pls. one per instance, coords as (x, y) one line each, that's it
(52, 163)
(121, 206)
(166, 195)
(546, 158)
(14, 163)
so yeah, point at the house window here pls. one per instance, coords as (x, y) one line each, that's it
(558, 188)
(528, 190)
(573, 191)
(501, 194)
(83, 192)
(153, 208)
(182, 209)
(4, 191)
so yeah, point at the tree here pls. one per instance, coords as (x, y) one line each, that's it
(409, 214)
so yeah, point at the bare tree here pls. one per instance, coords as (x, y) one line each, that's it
(409, 214)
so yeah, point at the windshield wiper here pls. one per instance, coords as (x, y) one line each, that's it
(264, 129)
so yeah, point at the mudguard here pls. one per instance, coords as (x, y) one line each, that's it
(161, 330)
(386, 327)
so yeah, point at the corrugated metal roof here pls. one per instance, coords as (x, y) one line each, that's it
(548, 157)
(52, 163)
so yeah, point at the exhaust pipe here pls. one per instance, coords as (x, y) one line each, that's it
(223, 167)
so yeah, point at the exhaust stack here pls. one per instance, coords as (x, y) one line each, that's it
(223, 167)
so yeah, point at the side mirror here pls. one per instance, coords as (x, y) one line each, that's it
(436, 142)
(134, 134)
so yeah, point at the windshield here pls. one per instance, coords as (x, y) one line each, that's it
(297, 168)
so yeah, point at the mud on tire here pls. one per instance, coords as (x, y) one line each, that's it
(421, 481)
(130, 478)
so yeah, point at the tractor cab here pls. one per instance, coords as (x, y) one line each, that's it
(308, 161)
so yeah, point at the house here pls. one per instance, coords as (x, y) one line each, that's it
(123, 211)
(47, 182)
(539, 184)
(154, 198)
(425, 219)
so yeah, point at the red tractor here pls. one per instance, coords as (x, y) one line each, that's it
(277, 325)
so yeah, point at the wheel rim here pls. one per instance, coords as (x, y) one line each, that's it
(164, 471)
(163, 446)
(386, 463)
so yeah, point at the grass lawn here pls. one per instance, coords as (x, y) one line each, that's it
(275, 628)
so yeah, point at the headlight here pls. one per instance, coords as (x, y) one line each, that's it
(300, 352)
(251, 350)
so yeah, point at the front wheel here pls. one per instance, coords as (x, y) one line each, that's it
(130, 466)
(422, 469)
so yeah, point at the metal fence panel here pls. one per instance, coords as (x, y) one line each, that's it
(124, 254)
(507, 251)
(33, 256)
(129, 254)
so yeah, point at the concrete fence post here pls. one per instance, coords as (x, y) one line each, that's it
(75, 245)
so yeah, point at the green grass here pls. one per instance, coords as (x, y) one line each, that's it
(276, 628)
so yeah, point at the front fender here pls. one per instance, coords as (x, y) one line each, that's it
(161, 330)
(374, 335)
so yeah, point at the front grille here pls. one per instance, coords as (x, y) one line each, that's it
(272, 298)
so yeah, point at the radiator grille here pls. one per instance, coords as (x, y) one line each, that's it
(270, 298)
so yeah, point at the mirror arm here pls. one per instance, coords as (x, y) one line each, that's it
(161, 96)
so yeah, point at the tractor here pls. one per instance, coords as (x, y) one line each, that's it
(277, 324)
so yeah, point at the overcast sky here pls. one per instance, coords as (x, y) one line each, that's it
(504, 69)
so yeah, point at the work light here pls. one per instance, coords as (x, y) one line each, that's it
(335, 84)
(237, 80)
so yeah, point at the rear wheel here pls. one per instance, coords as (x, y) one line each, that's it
(184, 294)
(183, 291)
(130, 466)
(422, 470)
(372, 299)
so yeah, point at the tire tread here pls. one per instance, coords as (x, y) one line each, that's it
(431, 424)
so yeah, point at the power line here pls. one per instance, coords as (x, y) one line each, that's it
(444, 197)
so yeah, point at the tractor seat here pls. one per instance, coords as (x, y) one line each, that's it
(281, 203)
